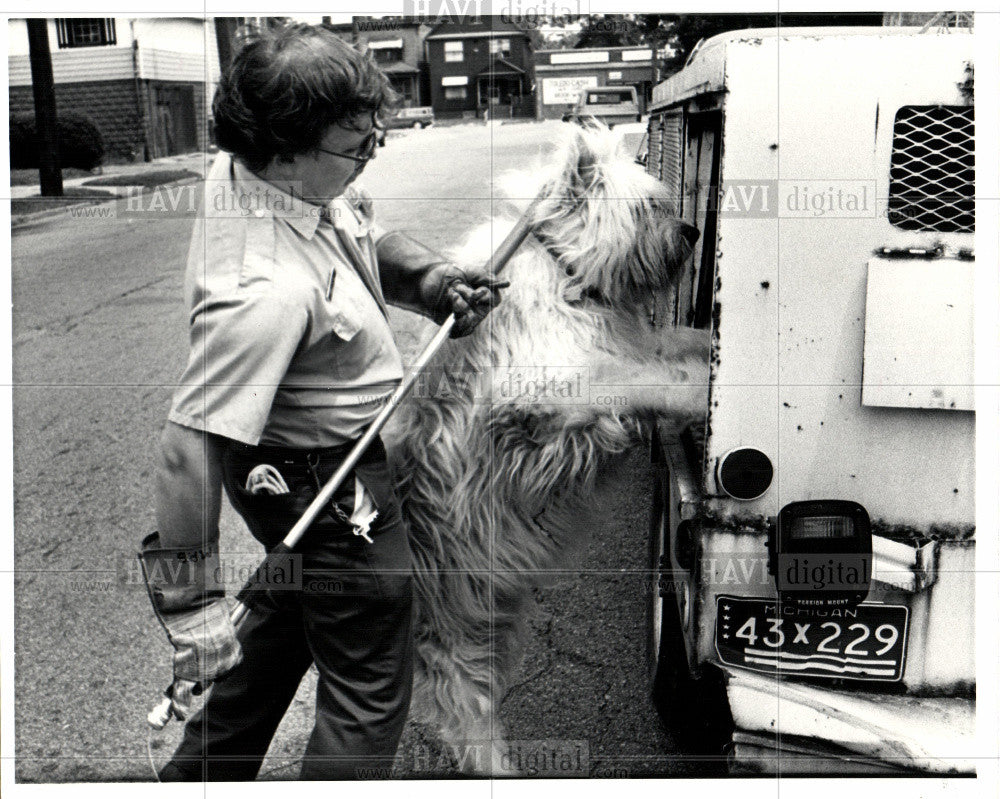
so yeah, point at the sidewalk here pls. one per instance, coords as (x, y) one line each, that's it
(194, 162)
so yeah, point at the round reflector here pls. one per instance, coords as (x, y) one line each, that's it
(744, 473)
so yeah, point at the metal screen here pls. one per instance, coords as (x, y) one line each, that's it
(672, 160)
(933, 171)
(655, 145)
(665, 160)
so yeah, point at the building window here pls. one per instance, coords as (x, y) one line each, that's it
(388, 55)
(455, 93)
(932, 176)
(453, 51)
(405, 86)
(500, 47)
(85, 32)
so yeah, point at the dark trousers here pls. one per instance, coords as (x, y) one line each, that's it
(352, 618)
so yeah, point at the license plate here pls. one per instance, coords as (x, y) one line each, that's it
(864, 643)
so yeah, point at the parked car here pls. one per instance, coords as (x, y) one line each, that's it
(835, 273)
(417, 117)
(607, 104)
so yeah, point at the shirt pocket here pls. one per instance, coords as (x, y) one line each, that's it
(346, 320)
(345, 326)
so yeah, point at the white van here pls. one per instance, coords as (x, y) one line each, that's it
(608, 104)
(832, 174)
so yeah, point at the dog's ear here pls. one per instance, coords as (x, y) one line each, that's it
(584, 169)
(684, 237)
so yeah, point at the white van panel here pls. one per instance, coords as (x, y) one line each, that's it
(790, 315)
(918, 335)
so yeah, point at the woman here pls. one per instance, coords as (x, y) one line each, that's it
(291, 357)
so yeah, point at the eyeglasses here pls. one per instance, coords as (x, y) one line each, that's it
(366, 150)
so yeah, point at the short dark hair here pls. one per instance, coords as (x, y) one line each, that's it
(286, 86)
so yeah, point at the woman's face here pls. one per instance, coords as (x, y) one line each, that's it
(326, 172)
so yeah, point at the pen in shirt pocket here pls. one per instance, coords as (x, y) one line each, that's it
(329, 288)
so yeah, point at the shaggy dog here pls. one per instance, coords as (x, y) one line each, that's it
(497, 455)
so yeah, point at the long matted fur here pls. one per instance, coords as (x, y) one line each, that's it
(497, 462)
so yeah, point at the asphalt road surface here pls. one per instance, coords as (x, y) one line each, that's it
(99, 337)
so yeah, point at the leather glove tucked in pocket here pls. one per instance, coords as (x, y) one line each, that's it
(191, 605)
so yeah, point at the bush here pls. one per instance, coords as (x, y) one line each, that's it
(80, 142)
(23, 147)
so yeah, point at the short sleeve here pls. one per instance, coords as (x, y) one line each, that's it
(241, 347)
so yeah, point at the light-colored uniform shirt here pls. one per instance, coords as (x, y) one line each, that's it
(290, 343)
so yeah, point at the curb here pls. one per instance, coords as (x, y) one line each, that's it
(26, 220)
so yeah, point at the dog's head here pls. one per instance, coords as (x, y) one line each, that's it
(611, 226)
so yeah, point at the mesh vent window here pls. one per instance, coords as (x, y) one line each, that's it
(665, 159)
(653, 150)
(672, 167)
(933, 172)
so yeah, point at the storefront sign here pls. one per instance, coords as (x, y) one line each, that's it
(565, 91)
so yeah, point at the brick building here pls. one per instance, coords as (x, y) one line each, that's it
(397, 45)
(475, 66)
(562, 74)
(146, 83)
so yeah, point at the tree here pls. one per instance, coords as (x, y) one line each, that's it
(609, 30)
(686, 30)
(675, 35)
(536, 39)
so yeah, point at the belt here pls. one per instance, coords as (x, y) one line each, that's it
(242, 456)
(308, 457)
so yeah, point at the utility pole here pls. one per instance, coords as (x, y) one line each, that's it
(225, 33)
(44, 90)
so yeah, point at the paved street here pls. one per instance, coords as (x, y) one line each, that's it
(99, 337)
